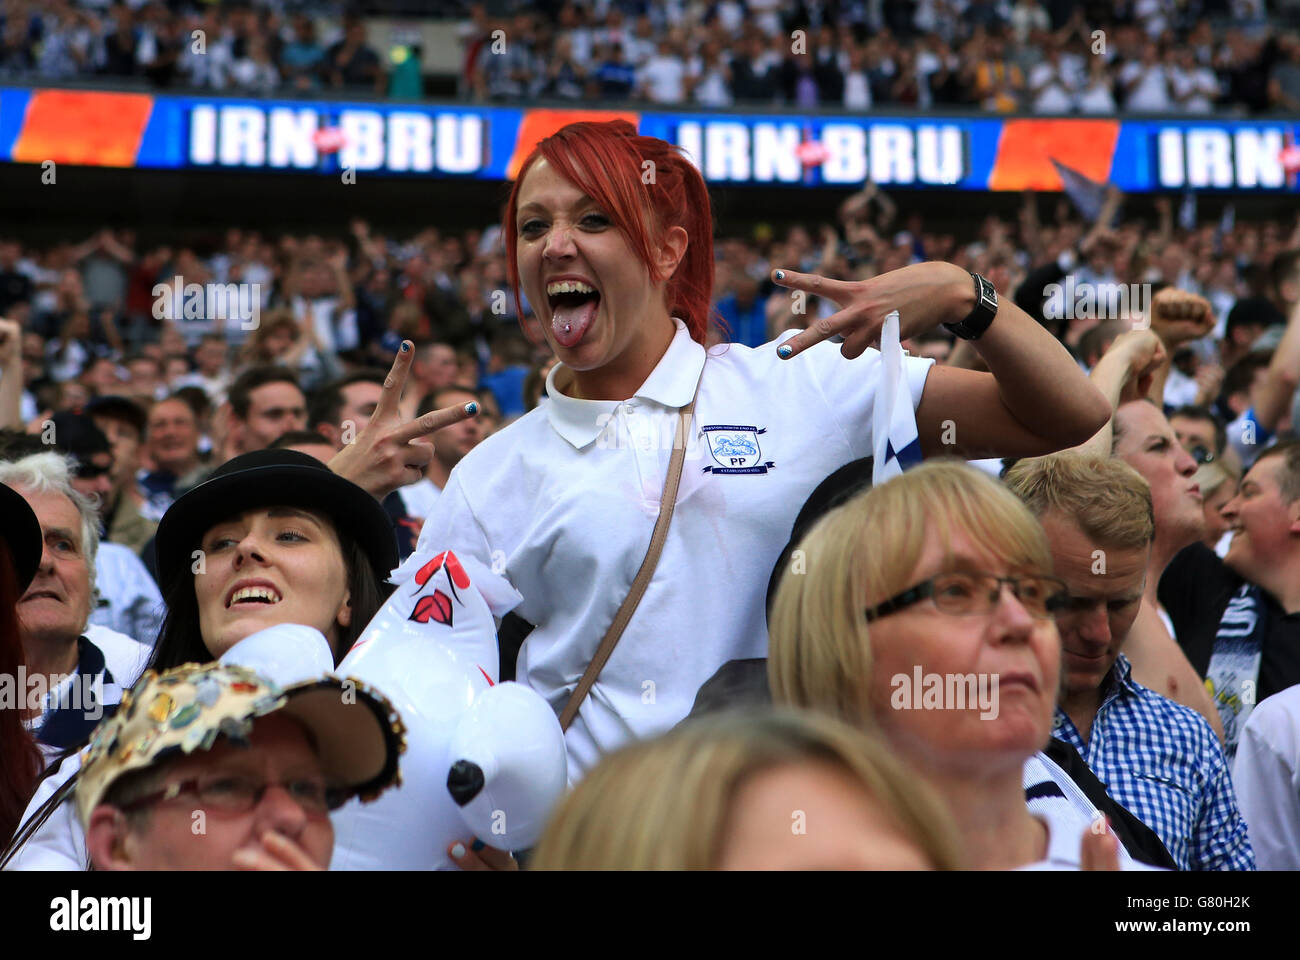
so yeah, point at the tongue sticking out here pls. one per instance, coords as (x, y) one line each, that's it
(570, 322)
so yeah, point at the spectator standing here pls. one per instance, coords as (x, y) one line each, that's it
(1145, 82)
(615, 77)
(1051, 85)
(350, 62)
(1193, 87)
(302, 58)
(662, 78)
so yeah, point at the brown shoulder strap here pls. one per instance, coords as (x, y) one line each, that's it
(666, 504)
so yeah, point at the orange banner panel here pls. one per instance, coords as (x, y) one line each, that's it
(1027, 147)
(539, 124)
(81, 127)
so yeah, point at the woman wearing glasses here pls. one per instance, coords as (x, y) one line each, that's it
(939, 579)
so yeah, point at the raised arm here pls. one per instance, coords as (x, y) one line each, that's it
(1123, 373)
(1034, 401)
(1283, 376)
(11, 375)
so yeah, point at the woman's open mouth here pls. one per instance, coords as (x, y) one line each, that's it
(573, 308)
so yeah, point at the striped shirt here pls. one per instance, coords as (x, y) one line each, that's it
(1162, 761)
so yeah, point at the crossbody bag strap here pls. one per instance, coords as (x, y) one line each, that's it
(666, 504)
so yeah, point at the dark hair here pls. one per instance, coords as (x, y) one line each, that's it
(1241, 374)
(180, 640)
(241, 391)
(1251, 312)
(20, 758)
(296, 438)
(433, 401)
(1093, 343)
(326, 402)
(1289, 479)
(16, 444)
(193, 397)
(1206, 415)
(534, 386)
(1285, 269)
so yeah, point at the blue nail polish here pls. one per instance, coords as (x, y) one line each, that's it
(784, 350)
(405, 347)
(471, 408)
(780, 274)
(477, 845)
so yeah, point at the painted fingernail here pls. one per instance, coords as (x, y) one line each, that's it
(471, 408)
(784, 350)
(458, 851)
(477, 845)
(780, 274)
(405, 347)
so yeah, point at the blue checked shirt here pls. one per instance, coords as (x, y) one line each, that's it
(1163, 762)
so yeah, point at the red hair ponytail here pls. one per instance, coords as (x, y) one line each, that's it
(647, 186)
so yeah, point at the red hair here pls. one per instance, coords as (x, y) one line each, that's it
(20, 759)
(609, 162)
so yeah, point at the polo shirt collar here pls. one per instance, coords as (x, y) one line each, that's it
(671, 384)
(1119, 680)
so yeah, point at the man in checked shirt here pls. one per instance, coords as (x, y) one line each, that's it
(1158, 759)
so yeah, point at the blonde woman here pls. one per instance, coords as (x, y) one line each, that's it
(1218, 481)
(750, 791)
(926, 613)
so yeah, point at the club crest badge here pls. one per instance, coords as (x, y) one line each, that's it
(735, 449)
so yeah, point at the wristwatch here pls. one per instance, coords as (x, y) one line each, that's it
(978, 320)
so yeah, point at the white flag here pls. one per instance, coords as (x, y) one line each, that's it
(895, 440)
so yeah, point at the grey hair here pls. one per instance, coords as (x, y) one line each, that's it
(52, 473)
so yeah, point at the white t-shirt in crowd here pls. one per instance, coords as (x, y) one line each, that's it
(419, 497)
(664, 79)
(1056, 96)
(857, 91)
(1097, 97)
(711, 90)
(565, 500)
(1067, 813)
(130, 603)
(1266, 775)
(1200, 82)
(1152, 94)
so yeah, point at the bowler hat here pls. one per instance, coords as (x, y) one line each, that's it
(266, 478)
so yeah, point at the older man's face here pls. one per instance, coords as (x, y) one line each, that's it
(279, 756)
(57, 604)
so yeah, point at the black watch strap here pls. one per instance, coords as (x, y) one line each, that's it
(978, 320)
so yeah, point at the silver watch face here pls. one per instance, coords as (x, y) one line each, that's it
(988, 294)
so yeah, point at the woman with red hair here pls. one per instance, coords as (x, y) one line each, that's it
(609, 237)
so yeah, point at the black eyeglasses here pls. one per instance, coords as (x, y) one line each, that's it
(237, 795)
(86, 470)
(972, 594)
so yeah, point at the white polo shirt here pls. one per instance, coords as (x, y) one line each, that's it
(1266, 774)
(564, 500)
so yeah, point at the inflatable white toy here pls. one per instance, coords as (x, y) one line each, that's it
(483, 759)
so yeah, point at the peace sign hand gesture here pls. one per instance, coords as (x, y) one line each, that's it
(391, 451)
(924, 294)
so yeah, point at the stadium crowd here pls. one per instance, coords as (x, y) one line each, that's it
(138, 380)
(1053, 57)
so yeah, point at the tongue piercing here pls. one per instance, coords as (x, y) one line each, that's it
(567, 328)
